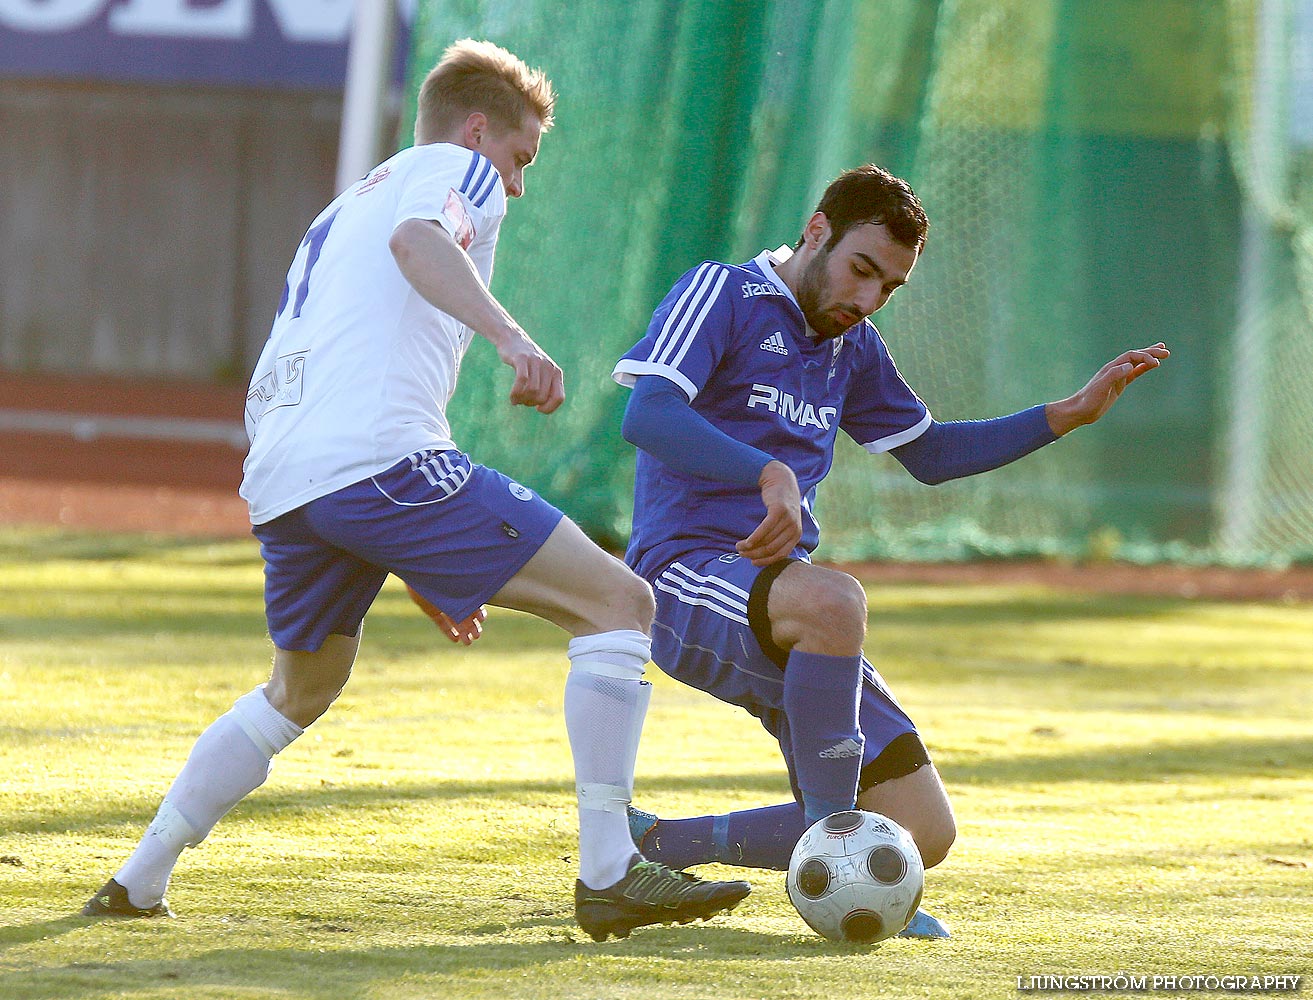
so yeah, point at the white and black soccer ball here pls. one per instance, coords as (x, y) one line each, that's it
(856, 876)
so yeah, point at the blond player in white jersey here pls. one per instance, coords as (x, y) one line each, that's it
(352, 474)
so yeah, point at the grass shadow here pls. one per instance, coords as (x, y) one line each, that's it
(357, 974)
(1274, 758)
(12, 935)
(315, 802)
(1146, 762)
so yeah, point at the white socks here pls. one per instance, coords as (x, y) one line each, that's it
(230, 760)
(605, 703)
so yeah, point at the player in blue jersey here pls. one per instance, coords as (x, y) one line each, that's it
(745, 377)
(352, 474)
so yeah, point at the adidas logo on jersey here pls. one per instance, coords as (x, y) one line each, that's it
(775, 342)
(847, 747)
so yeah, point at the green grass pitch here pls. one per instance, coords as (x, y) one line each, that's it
(1133, 779)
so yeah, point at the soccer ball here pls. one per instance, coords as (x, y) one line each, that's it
(856, 876)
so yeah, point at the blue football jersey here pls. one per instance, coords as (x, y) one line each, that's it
(735, 341)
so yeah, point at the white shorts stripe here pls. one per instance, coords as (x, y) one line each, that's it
(729, 588)
(449, 477)
(701, 590)
(438, 470)
(700, 602)
(702, 596)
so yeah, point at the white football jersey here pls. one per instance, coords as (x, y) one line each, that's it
(358, 368)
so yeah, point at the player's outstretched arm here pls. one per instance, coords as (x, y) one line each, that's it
(1108, 383)
(968, 447)
(439, 270)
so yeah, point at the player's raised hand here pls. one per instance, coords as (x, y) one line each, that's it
(1100, 392)
(781, 529)
(464, 632)
(538, 379)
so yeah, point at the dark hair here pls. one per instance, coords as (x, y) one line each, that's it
(872, 194)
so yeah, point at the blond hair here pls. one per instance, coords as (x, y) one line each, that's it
(480, 76)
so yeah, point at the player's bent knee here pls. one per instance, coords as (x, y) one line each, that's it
(624, 601)
(644, 603)
(305, 684)
(847, 603)
(936, 840)
(302, 707)
(631, 589)
(902, 783)
(832, 613)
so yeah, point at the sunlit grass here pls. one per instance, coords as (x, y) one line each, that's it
(1133, 779)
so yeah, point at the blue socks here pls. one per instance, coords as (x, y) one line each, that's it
(827, 748)
(752, 838)
(827, 760)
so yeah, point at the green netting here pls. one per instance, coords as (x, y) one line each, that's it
(1098, 176)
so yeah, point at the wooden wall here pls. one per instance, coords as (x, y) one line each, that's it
(147, 231)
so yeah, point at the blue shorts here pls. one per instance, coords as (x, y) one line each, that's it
(454, 531)
(704, 636)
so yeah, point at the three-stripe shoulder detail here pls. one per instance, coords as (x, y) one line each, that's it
(688, 313)
(480, 179)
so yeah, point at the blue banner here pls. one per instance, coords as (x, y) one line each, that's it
(298, 44)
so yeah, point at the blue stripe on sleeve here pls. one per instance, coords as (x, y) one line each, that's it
(476, 177)
(481, 195)
(474, 162)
